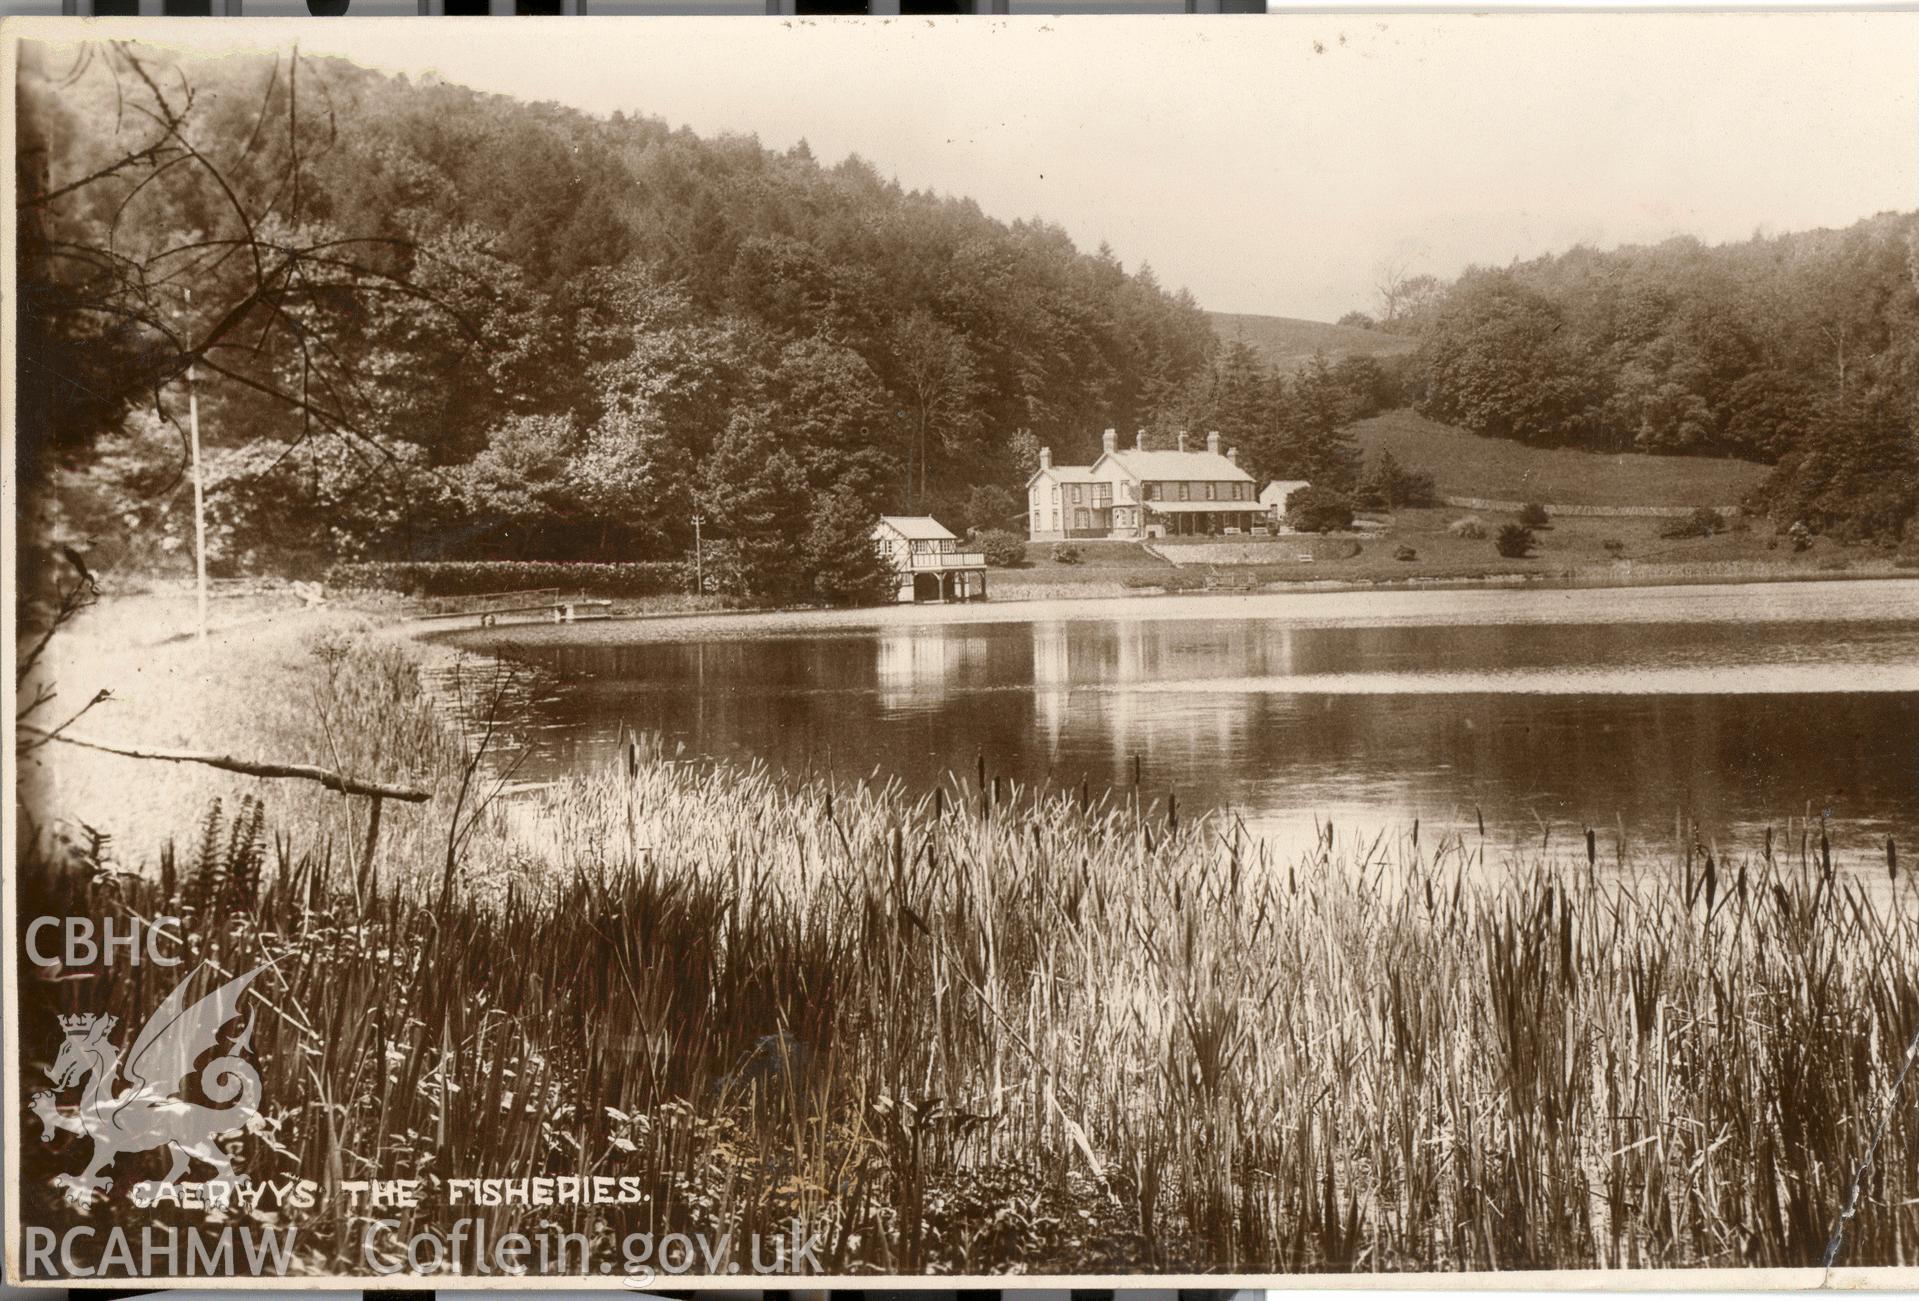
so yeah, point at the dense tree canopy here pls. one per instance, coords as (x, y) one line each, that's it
(558, 336)
(1801, 350)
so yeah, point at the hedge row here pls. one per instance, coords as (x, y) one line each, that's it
(479, 577)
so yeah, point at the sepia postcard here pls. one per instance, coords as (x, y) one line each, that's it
(740, 653)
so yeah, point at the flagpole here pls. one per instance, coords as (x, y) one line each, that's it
(199, 496)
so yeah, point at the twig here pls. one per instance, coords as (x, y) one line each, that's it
(456, 837)
(84, 592)
(54, 734)
(253, 768)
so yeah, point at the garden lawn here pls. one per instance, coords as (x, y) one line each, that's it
(1498, 469)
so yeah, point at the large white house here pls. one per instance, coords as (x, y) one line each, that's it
(1136, 493)
(929, 561)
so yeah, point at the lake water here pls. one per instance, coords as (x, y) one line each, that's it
(1733, 707)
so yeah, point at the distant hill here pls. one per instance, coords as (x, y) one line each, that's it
(1288, 343)
(1469, 465)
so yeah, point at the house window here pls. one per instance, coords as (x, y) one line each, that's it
(1035, 521)
(1209, 492)
(1185, 490)
(1079, 493)
(1122, 518)
(1080, 521)
(1152, 492)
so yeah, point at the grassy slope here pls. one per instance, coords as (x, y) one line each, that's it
(1468, 465)
(1288, 343)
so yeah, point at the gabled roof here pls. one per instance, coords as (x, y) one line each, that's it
(1068, 474)
(1177, 465)
(918, 528)
(1276, 492)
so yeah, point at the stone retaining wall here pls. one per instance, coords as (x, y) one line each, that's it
(1265, 551)
(1514, 507)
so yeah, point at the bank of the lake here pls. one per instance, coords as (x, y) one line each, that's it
(1328, 601)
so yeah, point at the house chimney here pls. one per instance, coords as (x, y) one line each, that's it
(1182, 440)
(1212, 442)
(1110, 440)
(1232, 454)
(1139, 440)
(1045, 458)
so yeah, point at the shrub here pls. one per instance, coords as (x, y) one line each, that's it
(1702, 523)
(1391, 485)
(1467, 526)
(989, 508)
(481, 577)
(1800, 535)
(1614, 547)
(720, 568)
(1514, 541)
(1405, 553)
(1533, 515)
(1314, 509)
(1065, 553)
(1003, 549)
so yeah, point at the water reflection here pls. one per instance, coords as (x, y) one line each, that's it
(1632, 726)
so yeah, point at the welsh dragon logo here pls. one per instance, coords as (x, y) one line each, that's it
(149, 1113)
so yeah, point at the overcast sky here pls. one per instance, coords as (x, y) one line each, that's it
(1268, 164)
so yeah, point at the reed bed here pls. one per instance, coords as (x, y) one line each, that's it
(988, 1029)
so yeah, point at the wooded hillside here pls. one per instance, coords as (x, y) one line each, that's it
(431, 322)
(1800, 350)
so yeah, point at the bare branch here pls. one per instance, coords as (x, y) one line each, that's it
(328, 778)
